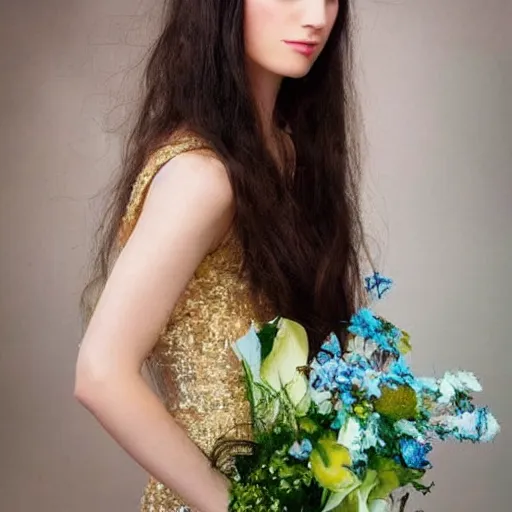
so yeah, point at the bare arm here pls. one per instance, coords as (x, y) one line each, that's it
(188, 209)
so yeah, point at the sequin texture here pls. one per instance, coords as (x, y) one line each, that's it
(194, 367)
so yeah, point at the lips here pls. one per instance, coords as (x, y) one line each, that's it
(306, 48)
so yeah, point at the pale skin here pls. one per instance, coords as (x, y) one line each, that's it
(188, 211)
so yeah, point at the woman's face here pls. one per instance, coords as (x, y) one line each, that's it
(286, 36)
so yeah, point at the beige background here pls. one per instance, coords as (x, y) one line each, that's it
(436, 86)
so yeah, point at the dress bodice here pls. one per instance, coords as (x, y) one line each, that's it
(193, 364)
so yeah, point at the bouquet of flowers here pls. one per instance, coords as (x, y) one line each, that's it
(347, 430)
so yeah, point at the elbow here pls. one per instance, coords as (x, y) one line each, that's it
(83, 389)
(91, 384)
(100, 382)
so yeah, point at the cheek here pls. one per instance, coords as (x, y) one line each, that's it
(332, 14)
(261, 20)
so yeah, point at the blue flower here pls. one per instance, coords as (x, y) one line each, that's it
(427, 385)
(323, 357)
(399, 373)
(339, 421)
(345, 375)
(322, 377)
(371, 384)
(414, 453)
(302, 450)
(347, 397)
(366, 325)
(377, 285)
(358, 360)
(332, 345)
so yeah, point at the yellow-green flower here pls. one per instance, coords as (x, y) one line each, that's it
(330, 465)
(308, 425)
(397, 404)
(363, 409)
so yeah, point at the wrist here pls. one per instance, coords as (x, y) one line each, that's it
(223, 495)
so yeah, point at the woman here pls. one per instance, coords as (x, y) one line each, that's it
(238, 201)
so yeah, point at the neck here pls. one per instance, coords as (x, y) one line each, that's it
(265, 87)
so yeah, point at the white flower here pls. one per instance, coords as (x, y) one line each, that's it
(405, 427)
(358, 345)
(350, 436)
(371, 433)
(323, 399)
(478, 426)
(359, 440)
(463, 382)
(492, 430)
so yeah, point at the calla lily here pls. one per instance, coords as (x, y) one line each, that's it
(248, 349)
(289, 351)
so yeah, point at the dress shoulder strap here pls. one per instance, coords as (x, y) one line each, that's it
(141, 185)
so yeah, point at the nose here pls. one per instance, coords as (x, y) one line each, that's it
(314, 14)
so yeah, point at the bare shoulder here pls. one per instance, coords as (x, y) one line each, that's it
(193, 188)
(197, 172)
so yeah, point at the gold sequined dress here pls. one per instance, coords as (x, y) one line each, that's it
(195, 369)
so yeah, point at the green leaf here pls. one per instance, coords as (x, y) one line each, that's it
(337, 498)
(357, 500)
(388, 478)
(391, 476)
(370, 481)
(424, 489)
(267, 335)
(404, 343)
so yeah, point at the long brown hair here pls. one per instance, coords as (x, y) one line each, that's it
(302, 238)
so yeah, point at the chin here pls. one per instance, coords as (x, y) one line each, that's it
(298, 74)
(298, 71)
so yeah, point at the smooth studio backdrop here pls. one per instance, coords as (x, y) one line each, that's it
(436, 84)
